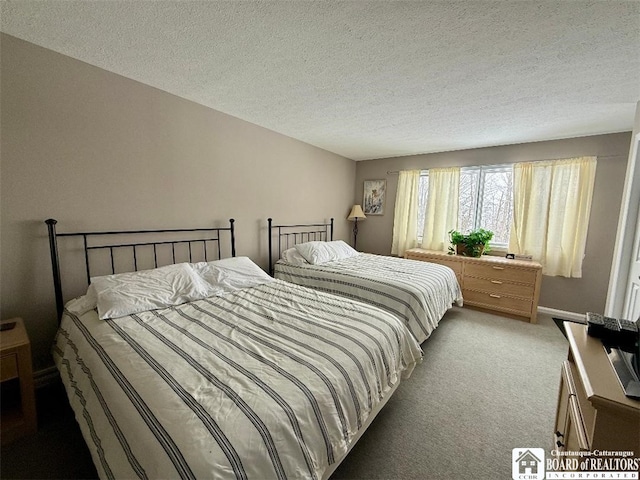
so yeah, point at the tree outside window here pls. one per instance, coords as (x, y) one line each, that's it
(486, 201)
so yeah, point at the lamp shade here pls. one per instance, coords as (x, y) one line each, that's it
(356, 213)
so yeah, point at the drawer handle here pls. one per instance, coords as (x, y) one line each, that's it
(497, 282)
(558, 434)
(498, 268)
(492, 295)
(559, 444)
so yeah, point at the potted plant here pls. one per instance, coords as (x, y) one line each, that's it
(472, 244)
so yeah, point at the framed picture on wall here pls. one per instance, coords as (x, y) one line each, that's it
(374, 193)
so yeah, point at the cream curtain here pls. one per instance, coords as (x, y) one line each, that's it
(552, 203)
(441, 214)
(405, 217)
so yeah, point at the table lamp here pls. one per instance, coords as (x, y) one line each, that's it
(356, 213)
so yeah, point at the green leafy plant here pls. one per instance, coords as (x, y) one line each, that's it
(472, 244)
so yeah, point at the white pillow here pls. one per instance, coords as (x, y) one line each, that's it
(293, 257)
(231, 274)
(317, 253)
(134, 292)
(82, 304)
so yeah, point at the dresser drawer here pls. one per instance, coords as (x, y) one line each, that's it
(495, 301)
(8, 367)
(500, 287)
(587, 410)
(452, 264)
(500, 272)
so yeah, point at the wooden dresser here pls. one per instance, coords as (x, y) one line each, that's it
(593, 412)
(497, 284)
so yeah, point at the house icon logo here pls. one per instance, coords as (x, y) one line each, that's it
(527, 463)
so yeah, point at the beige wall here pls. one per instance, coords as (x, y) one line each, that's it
(574, 295)
(98, 151)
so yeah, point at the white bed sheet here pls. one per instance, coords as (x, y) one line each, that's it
(273, 381)
(417, 292)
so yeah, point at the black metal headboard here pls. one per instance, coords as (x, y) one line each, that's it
(290, 235)
(91, 244)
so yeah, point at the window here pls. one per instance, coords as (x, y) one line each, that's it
(486, 201)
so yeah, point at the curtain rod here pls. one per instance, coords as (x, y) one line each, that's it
(396, 172)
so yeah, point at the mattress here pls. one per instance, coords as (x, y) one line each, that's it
(272, 381)
(419, 293)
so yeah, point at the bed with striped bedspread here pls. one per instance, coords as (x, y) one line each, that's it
(417, 292)
(272, 381)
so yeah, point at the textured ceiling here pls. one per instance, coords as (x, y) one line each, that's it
(368, 79)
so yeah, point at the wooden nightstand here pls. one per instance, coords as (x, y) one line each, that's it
(18, 400)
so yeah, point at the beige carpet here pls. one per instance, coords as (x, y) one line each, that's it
(488, 384)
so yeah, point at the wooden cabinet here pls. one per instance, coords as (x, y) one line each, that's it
(18, 400)
(593, 412)
(492, 283)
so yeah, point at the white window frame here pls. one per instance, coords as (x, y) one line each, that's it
(483, 170)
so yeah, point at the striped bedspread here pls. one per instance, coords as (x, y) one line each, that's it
(271, 381)
(418, 292)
